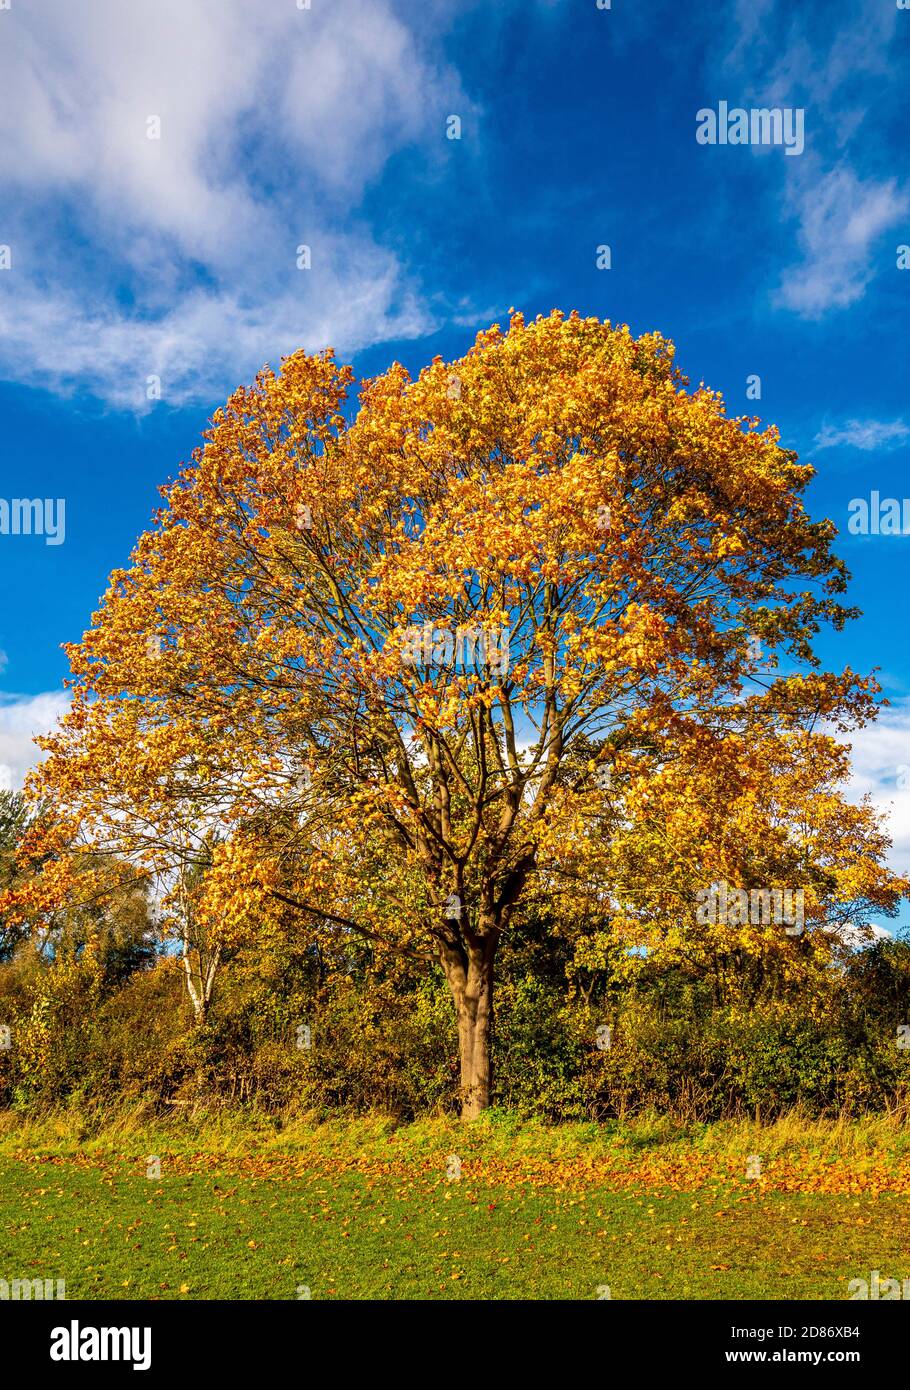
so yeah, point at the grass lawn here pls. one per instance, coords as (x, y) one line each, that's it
(370, 1211)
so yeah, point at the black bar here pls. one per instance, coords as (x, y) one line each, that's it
(290, 1339)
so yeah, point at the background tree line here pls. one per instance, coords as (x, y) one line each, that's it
(100, 1011)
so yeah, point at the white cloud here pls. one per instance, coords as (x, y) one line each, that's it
(840, 218)
(209, 340)
(881, 769)
(863, 434)
(864, 935)
(21, 718)
(176, 257)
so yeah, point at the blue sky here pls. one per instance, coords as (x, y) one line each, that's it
(133, 257)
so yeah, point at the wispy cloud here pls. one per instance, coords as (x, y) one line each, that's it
(863, 434)
(841, 219)
(177, 256)
(784, 53)
(839, 201)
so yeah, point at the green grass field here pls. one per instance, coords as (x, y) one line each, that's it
(370, 1211)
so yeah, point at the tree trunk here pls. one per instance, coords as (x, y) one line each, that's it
(475, 1024)
(470, 977)
(200, 979)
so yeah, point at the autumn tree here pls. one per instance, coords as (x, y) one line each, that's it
(402, 659)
